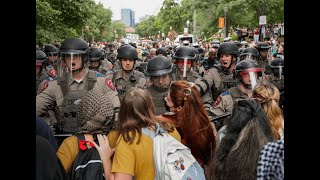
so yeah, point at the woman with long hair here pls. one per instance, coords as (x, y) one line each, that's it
(269, 96)
(247, 131)
(191, 120)
(133, 156)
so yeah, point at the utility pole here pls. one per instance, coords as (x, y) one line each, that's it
(194, 24)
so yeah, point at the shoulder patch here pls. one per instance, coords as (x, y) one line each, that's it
(225, 93)
(219, 98)
(100, 74)
(45, 85)
(109, 83)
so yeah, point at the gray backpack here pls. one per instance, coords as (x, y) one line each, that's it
(172, 159)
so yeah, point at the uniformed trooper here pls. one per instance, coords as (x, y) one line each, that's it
(95, 60)
(183, 59)
(209, 61)
(265, 56)
(248, 72)
(111, 55)
(41, 72)
(159, 71)
(277, 77)
(250, 53)
(67, 90)
(126, 77)
(219, 78)
(52, 54)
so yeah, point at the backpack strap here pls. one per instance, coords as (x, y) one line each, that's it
(152, 134)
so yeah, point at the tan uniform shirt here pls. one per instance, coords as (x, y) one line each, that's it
(53, 93)
(122, 85)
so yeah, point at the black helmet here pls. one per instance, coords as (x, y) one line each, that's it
(74, 46)
(249, 53)
(162, 50)
(112, 46)
(145, 53)
(215, 45)
(215, 42)
(185, 52)
(237, 43)
(262, 46)
(95, 54)
(127, 52)
(277, 67)
(40, 55)
(158, 66)
(228, 48)
(50, 49)
(247, 65)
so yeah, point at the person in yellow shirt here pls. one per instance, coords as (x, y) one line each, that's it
(133, 155)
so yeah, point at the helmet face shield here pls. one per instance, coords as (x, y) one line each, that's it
(249, 77)
(244, 56)
(278, 72)
(71, 62)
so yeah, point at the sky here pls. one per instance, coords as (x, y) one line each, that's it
(140, 7)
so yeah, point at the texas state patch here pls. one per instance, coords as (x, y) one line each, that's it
(109, 84)
(217, 101)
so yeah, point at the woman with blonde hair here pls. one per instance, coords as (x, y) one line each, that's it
(269, 96)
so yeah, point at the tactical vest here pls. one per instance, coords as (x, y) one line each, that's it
(158, 100)
(227, 80)
(123, 86)
(237, 94)
(68, 108)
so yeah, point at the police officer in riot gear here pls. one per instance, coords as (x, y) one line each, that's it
(159, 70)
(219, 78)
(95, 59)
(126, 77)
(183, 59)
(250, 53)
(277, 77)
(248, 71)
(209, 61)
(41, 73)
(52, 54)
(265, 56)
(67, 90)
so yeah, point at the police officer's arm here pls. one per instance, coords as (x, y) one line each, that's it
(223, 104)
(209, 79)
(45, 99)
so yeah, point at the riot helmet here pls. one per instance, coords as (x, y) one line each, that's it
(249, 53)
(277, 67)
(228, 48)
(52, 54)
(127, 52)
(159, 69)
(159, 66)
(183, 58)
(185, 43)
(40, 58)
(95, 56)
(227, 39)
(162, 50)
(73, 52)
(248, 71)
(264, 50)
(238, 44)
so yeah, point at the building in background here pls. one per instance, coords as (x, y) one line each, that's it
(127, 17)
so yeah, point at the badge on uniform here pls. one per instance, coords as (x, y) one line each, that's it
(217, 101)
(109, 84)
(45, 85)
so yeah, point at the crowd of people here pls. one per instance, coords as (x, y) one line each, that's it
(222, 100)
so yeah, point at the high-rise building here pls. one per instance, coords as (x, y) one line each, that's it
(127, 17)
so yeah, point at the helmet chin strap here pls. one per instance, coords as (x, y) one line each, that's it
(232, 62)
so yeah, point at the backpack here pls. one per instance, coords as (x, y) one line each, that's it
(87, 165)
(172, 159)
